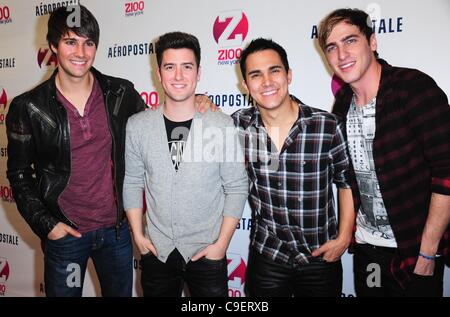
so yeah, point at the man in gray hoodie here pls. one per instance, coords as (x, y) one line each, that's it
(177, 155)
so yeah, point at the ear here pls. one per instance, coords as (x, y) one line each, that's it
(158, 72)
(53, 49)
(244, 84)
(289, 76)
(199, 72)
(373, 42)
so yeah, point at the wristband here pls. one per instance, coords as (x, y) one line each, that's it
(428, 257)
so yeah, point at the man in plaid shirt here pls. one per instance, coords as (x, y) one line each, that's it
(398, 130)
(293, 155)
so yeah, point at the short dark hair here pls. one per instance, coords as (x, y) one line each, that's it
(261, 44)
(355, 17)
(58, 25)
(177, 40)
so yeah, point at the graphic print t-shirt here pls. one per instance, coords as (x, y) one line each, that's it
(177, 134)
(372, 222)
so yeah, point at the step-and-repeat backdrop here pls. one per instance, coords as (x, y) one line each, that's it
(411, 33)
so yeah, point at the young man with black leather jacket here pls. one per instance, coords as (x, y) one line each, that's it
(66, 139)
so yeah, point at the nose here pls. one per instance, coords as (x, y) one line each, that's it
(178, 73)
(266, 80)
(80, 50)
(342, 53)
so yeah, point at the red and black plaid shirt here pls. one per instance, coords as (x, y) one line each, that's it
(411, 151)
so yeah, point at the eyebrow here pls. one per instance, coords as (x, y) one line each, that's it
(75, 39)
(171, 63)
(257, 71)
(252, 72)
(275, 67)
(341, 40)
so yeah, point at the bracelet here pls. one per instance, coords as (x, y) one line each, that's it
(428, 257)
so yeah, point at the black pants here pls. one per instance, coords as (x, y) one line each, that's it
(204, 277)
(371, 266)
(268, 278)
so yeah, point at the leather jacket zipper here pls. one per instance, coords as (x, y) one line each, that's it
(42, 115)
(114, 163)
(68, 180)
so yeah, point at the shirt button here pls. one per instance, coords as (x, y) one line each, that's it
(303, 162)
(300, 198)
(279, 184)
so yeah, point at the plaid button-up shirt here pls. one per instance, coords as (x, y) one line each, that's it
(291, 193)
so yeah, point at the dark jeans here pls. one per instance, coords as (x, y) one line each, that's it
(268, 278)
(369, 260)
(204, 277)
(66, 260)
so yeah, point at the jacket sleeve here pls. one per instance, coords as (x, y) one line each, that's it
(133, 185)
(140, 104)
(233, 173)
(428, 116)
(21, 170)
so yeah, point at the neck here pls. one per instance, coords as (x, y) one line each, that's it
(71, 85)
(281, 116)
(366, 88)
(179, 111)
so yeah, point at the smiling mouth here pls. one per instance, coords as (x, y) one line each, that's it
(269, 92)
(346, 66)
(79, 63)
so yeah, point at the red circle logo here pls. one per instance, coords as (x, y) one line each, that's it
(4, 270)
(230, 28)
(3, 98)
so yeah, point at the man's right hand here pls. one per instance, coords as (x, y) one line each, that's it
(144, 245)
(61, 230)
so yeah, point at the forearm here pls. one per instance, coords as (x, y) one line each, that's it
(347, 214)
(436, 224)
(134, 216)
(227, 229)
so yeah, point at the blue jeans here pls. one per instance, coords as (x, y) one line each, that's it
(66, 260)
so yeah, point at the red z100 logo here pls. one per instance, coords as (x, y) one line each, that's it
(131, 7)
(230, 28)
(4, 13)
(230, 54)
(46, 57)
(236, 274)
(3, 98)
(4, 271)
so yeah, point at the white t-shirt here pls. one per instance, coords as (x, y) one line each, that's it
(372, 222)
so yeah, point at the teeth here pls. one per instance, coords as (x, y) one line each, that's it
(178, 86)
(78, 63)
(269, 93)
(347, 65)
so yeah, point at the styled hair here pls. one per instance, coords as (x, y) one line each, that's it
(258, 45)
(58, 24)
(355, 17)
(177, 40)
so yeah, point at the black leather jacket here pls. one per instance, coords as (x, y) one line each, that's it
(39, 158)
